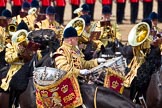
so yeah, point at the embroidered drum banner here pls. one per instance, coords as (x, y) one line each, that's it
(114, 81)
(64, 93)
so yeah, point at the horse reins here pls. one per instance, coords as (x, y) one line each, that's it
(95, 98)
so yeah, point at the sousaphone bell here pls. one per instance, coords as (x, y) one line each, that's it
(138, 34)
(78, 24)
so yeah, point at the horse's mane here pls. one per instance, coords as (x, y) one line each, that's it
(144, 72)
(150, 66)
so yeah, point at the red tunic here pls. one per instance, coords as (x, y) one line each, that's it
(17, 2)
(134, 1)
(75, 2)
(90, 1)
(46, 2)
(3, 3)
(30, 1)
(60, 2)
(106, 2)
(120, 1)
(147, 0)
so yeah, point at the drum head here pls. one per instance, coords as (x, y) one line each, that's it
(47, 75)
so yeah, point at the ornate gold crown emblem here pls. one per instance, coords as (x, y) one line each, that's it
(115, 84)
(44, 93)
(64, 89)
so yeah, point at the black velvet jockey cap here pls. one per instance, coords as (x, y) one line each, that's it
(35, 4)
(70, 32)
(106, 10)
(148, 21)
(153, 16)
(22, 25)
(50, 10)
(87, 19)
(26, 5)
(85, 8)
(6, 13)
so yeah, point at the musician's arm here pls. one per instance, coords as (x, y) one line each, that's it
(11, 55)
(98, 44)
(62, 63)
(39, 55)
(89, 64)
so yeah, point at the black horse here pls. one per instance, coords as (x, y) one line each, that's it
(19, 85)
(46, 38)
(113, 49)
(154, 91)
(145, 84)
(110, 50)
(105, 98)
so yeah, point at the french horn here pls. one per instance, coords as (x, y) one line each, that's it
(78, 24)
(138, 34)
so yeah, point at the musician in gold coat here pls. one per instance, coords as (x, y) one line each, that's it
(86, 37)
(23, 13)
(141, 41)
(154, 19)
(50, 22)
(109, 32)
(6, 21)
(69, 58)
(155, 30)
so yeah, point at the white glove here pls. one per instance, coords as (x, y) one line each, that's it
(84, 72)
(101, 60)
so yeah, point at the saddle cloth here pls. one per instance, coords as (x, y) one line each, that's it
(64, 93)
(114, 81)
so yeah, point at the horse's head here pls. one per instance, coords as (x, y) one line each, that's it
(113, 49)
(46, 38)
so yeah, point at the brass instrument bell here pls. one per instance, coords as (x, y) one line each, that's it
(138, 34)
(78, 24)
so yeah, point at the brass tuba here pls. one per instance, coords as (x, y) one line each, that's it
(138, 34)
(78, 24)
